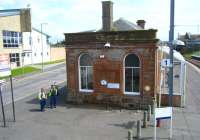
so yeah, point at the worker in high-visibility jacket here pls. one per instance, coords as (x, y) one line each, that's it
(52, 95)
(56, 86)
(42, 97)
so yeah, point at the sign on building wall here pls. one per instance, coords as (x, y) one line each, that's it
(25, 19)
(165, 63)
(4, 65)
(113, 85)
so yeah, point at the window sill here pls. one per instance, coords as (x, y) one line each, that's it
(179, 94)
(132, 93)
(86, 90)
(11, 47)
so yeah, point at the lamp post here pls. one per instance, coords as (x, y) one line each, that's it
(42, 45)
(171, 38)
(2, 105)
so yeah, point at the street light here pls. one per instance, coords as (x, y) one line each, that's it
(171, 38)
(42, 45)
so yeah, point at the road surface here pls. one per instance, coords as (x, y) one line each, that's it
(31, 84)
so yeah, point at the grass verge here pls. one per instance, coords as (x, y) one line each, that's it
(21, 71)
(52, 62)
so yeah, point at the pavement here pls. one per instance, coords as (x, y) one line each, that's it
(66, 122)
(89, 122)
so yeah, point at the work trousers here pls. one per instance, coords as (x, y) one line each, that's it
(42, 104)
(53, 101)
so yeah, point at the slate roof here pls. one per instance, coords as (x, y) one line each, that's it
(119, 25)
(125, 25)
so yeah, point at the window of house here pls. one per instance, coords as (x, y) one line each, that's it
(11, 39)
(14, 58)
(38, 39)
(85, 73)
(47, 40)
(132, 74)
(30, 40)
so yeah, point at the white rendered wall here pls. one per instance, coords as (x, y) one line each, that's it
(35, 48)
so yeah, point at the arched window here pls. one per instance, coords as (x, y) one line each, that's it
(132, 74)
(85, 73)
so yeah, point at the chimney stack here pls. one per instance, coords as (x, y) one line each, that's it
(107, 15)
(141, 23)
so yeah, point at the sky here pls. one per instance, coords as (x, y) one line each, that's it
(66, 16)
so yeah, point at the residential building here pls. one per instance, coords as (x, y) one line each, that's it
(191, 40)
(24, 44)
(36, 47)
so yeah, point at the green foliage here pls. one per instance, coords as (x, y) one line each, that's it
(188, 52)
(52, 62)
(23, 70)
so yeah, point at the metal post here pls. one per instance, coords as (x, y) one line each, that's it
(23, 62)
(153, 107)
(130, 135)
(154, 128)
(13, 103)
(145, 120)
(170, 134)
(42, 46)
(149, 113)
(138, 129)
(2, 108)
(42, 50)
(161, 87)
(171, 38)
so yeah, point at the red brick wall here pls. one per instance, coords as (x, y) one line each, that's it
(111, 67)
(109, 70)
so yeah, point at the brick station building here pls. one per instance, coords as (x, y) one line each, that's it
(111, 66)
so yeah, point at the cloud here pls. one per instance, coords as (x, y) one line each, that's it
(7, 2)
(79, 15)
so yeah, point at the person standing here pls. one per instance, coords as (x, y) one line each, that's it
(56, 86)
(42, 97)
(52, 95)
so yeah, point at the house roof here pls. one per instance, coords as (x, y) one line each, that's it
(119, 25)
(124, 25)
(191, 39)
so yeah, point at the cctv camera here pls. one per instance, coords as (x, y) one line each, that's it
(107, 45)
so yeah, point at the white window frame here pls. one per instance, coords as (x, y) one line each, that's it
(15, 57)
(17, 37)
(124, 69)
(79, 80)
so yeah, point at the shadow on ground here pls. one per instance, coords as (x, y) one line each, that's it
(127, 125)
(34, 110)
